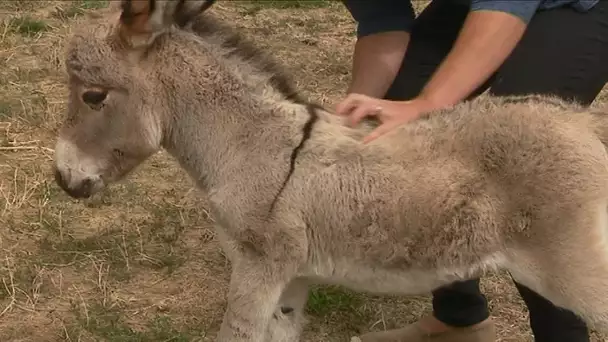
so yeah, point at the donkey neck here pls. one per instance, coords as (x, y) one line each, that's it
(218, 137)
(235, 121)
(240, 165)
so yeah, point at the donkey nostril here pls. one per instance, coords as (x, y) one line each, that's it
(60, 178)
(82, 189)
(86, 187)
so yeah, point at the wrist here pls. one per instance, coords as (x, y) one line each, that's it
(425, 103)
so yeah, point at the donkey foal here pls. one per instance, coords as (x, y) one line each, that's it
(513, 183)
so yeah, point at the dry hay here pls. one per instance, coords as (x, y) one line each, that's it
(141, 263)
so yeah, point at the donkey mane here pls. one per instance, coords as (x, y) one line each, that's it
(205, 26)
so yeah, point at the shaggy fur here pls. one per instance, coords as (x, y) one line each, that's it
(496, 183)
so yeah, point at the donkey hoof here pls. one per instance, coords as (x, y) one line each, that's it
(355, 339)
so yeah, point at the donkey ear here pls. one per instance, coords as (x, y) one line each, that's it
(141, 21)
(185, 11)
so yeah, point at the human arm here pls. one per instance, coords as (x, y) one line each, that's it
(490, 33)
(376, 62)
(382, 38)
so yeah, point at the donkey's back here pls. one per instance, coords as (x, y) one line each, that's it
(509, 183)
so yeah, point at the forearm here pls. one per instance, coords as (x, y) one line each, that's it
(376, 62)
(486, 40)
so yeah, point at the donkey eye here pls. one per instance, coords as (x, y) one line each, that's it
(94, 98)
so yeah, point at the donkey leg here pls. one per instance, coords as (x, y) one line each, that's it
(288, 318)
(586, 296)
(255, 290)
(570, 268)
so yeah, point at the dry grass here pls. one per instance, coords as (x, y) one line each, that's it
(141, 263)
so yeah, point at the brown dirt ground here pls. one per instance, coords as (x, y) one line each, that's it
(141, 263)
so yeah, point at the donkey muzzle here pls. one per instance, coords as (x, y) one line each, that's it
(76, 187)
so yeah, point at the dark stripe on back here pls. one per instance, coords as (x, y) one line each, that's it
(306, 133)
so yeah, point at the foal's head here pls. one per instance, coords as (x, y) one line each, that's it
(115, 118)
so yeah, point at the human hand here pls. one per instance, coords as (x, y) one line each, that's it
(391, 114)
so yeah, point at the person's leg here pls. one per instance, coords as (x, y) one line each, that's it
(564, 53)
(550, 323)
(460, 305)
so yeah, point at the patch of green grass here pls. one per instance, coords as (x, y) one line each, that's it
(255, 6)
(20, 5)
(79, 7)
(26, 104)
(93, 4)
(167, 224)
(332, 299)
(6, 110)
(29, 75)
(106, 322)
(109, 323)
(37, 115)
(108, 247)
(282, 4)
(337, 307)
(21, 279)
(121, 251)
(161, 329)
(27, 26)
(156, 245)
